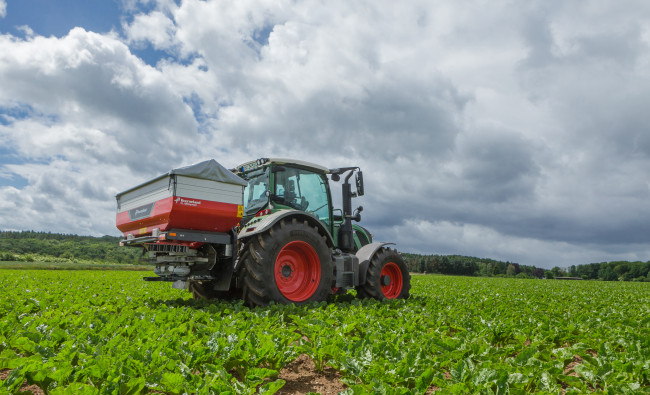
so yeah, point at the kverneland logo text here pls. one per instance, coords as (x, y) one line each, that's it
(187, 202)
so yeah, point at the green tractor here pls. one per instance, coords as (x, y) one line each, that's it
(290, 245)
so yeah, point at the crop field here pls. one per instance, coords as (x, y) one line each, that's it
(109, 332)
(48, 265)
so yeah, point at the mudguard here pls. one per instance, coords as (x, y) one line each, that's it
(365, 255)
(262, 224)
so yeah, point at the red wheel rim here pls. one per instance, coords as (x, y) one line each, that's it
(297, 271)
(391, 280)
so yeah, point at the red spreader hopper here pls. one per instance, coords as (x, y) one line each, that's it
(205, 196)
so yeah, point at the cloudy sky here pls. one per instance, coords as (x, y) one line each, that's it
(511, 130)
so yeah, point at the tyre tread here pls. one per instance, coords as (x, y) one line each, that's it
(372, 287)
(259, 287)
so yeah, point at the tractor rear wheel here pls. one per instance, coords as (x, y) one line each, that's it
(290, 263)
(387, 277)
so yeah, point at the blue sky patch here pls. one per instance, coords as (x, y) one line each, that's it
(261, 36)
(57, 18)
(10, 156)
(150, 55)
(9, 115)
(13, 180)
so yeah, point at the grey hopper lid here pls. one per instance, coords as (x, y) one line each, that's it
(210, 170)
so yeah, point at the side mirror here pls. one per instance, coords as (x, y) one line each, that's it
(335, 177)
(359, 180)
(357, 214)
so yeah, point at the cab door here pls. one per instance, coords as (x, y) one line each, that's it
(304, 190)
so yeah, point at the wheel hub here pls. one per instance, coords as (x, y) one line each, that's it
(297, 271)
(391, 280)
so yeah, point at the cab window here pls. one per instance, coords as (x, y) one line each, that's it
(255, 192)
(303, 190)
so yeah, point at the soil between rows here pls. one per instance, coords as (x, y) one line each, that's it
(302, 377)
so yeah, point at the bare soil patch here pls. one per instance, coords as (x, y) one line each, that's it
(302, 377)
(568, 370)
(34, 389)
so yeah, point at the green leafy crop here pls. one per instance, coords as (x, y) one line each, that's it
(112, 333)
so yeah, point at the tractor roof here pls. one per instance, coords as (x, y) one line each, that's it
(244, 167)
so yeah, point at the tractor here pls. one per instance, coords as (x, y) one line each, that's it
(265, 231)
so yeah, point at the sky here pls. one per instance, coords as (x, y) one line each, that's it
(511, 130)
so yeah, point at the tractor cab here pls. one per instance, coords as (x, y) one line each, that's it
(283, 184)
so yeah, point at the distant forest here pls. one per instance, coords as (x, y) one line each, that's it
(470, 266)
(53, 247)
(32, 246)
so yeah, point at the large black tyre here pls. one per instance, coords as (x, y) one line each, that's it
(289, 263)
(387, 277)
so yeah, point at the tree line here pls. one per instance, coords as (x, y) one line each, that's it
(612, 271)
(472, 266)
(27, 245)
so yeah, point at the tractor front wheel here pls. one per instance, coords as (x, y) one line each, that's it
(387, 277)
(290, 263)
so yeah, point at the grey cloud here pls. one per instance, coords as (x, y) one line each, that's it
(514, 131)
(54, 186)
(498, 165)
(42, 204)
(391, 119)
(552, 39)
(586, 73)
(621, 47)
(94, 192)
(536, 31)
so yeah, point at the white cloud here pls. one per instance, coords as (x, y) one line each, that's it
(3, 8)
(154, 28)
(510, 130)
(88, 96)
(94, 119)
(62, 195)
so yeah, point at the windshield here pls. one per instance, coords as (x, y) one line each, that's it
(303, 190)
(255, 193)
